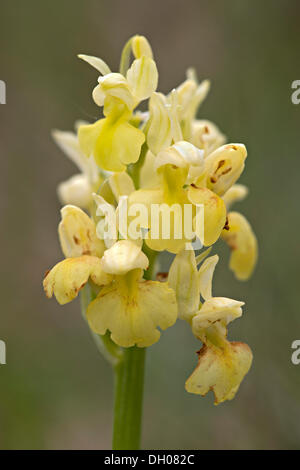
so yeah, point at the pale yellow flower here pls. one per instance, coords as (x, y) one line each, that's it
(220, 370)
(174, 166)
(82, 248)
(222, 364)
(130, 307)
(114, 141)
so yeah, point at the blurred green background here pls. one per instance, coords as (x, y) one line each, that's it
(55, 390)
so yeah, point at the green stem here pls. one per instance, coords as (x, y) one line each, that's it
(129, 384)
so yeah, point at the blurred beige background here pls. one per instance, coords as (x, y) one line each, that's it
(55, 390)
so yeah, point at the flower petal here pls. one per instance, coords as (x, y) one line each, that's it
(196, 100)
(243, 244)
(183, 279)
(114, 143)
(142, 78)
(133, 320)
(237, 192)
(181, 154)
(68, 143)
(159, 131)
(141, 47)
(148, 176)
(221, 371)
(67, 277)
(116, 86)
(77, 233)
(174, 110)
(214, 212)
(147, 198)
(206, 136)
(186, 92)
(75, 191)
(216, 309)
(171, 226)
(87, 136)
(121, 184)
(205, 276)
(224, 166)
(106, 226)
(96, 62)
(117, 145)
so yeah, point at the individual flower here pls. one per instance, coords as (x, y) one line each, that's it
(222, 364)
(171, 115)
(131, 308)
(176, 167)
(77, 190)
(82, 248)
(113, 140)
